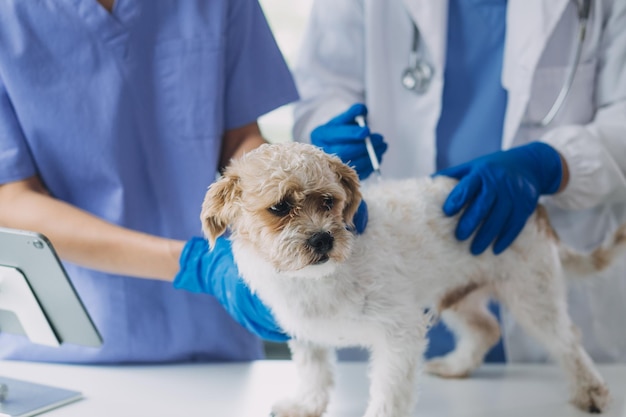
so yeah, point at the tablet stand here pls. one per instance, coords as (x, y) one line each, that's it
(17, 297)
(21, 398)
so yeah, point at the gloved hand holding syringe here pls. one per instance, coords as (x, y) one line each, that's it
(348, 136)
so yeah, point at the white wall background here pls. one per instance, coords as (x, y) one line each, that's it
(288, 19)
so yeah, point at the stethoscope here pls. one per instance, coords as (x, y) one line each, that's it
(418, 75)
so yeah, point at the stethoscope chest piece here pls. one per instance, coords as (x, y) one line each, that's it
(417, 77)
(419, 73)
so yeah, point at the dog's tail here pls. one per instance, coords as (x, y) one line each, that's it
(580, 264)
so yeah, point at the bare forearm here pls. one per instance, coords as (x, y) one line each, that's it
(238, 141)
(82, 238)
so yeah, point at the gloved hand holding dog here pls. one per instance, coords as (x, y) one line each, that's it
(342, 136)
(500, 191)
(215, 273)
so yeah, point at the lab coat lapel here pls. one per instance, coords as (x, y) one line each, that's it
(431, 17)
(529, 25)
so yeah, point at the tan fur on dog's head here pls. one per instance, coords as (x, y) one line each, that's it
(276, 197)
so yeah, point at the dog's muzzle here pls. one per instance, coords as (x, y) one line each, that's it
(321, 243)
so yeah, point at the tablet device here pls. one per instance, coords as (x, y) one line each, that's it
(32, 255)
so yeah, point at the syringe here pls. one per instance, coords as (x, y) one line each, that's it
(360, 120)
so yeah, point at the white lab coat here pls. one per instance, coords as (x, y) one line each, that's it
(356, 50)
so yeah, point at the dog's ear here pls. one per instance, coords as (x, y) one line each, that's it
(350, 182)
(218, 208)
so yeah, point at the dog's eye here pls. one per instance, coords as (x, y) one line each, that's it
(280, 209)
(328, 202)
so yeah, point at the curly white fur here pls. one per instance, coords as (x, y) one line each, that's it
(372, 290)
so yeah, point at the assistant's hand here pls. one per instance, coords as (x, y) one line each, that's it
(215, 273)
(500, 191)
(343, 137)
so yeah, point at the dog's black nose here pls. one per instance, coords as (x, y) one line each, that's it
(321, 242)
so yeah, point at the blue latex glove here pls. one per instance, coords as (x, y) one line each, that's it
(360, 218)
(215, 273)
(343, 137)
(500, 191)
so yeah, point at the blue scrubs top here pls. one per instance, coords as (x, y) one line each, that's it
(473, 107)
(121, 114)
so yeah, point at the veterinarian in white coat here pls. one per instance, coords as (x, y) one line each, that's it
(355, 51)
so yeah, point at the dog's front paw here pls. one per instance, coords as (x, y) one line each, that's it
(298, 408)
(449, 367)
(594, 399)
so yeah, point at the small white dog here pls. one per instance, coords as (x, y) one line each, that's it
(290, 206)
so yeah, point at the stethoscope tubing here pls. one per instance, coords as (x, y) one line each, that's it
(583, 18)
(418, 75)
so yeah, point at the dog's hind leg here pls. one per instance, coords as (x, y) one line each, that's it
(475, 329)
(539, 303)
(314, 365)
